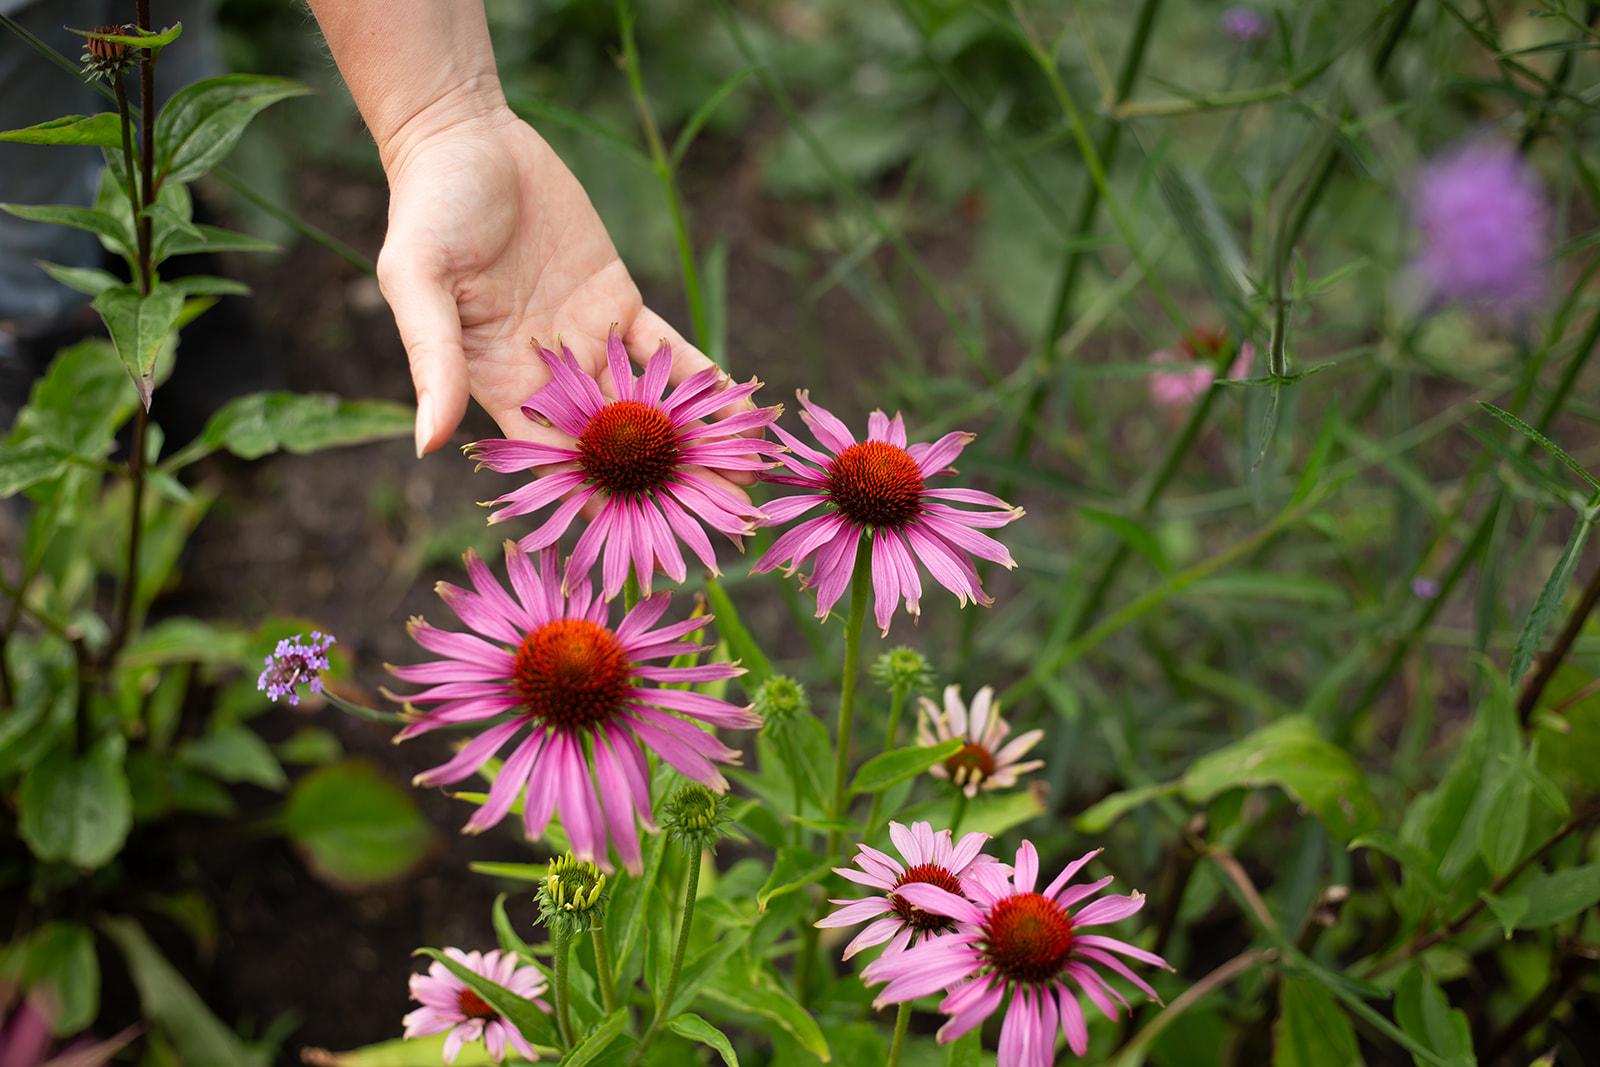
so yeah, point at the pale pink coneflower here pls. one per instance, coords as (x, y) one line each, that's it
(588, 696)
(985, 760)
(928, 857)
(1012, 939)
(1194, 360)
(656, 468)
(879, 487)
(449, 1004)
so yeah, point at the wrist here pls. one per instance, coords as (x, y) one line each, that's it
(476, 101)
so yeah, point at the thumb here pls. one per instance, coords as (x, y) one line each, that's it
(430, 327)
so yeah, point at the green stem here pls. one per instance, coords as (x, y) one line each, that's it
(602, 965)
(630, 592)
(691, 889)
(897, 701)
(860, 587)
(958, 812)
(902, 1022)
(562, 964)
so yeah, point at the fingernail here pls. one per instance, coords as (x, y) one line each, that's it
(424, 422)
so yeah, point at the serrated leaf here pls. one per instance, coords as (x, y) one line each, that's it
(1543, 442)
(77, 217)
(1291, 755)
(695, 1028)
(139, 325)
(354, 826)
(1550, 597)
(202, 122)
(533, 1024)
(794, 868)
(77, 809)
(103, 130)
(896, 765)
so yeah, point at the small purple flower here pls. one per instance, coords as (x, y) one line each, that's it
(1424, 588)
(293, 664)
(1483, 229)
(1245, 24)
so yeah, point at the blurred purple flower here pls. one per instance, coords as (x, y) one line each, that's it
(1245, 24)
(293, 664)
(1424, 588)
(1483, 229)
(25, 1035)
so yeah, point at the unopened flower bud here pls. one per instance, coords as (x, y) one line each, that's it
(903, 669)
(781, 699)
(695, 815)
(571, 893)
(103, 57)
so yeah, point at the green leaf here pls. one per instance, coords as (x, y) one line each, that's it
(1501, 836)
(214, 239)
(141, 38)
(1546, 899)
(234, 753)
(965, 1051)
(402, 1052)
(80, 401)
(77, 809)
(309, 745)
(740, 642)
(794, 868)
(139, 325)
(1135, 536)
(1543, 442)
(207, 285)
(1097, 818)
(79, 218)
(60, 956)
(170, 1003)
(991, 813)
(1414, 861)
(1312, 1029)
(597, 1040)
(354, 826)
(1425, 1015)
(534, 1024)
(104, 130)
(202, 122)
(702, 114)
(1544, 608)
(765, 998)
(519, 872)
(256, 425)
(510, 940)
(1293, 756)
(896, 765)
(27, 463)
(695, 1028)
(90, 281)
(186, 640)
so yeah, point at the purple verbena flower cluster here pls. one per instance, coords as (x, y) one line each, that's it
(1245, 24)
(293, 664)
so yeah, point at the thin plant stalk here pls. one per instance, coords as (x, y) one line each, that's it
(958, 811)
(691, 889)
(561, 962)
(602, 965)
(855, 622)
(897, 701)
(902, 1023)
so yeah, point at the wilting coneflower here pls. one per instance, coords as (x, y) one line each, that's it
(1196, 355)
(879, 487)
(929, 857)
(293, 664)
(985, 760)
(1011, 938)
(548, 662)
(655, 465)
(1483, 229)
(448, 1003)
(1245, 24)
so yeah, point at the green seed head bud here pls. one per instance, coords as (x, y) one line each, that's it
(903, 669)
(781, 699)
(570, 895)
(695, 815)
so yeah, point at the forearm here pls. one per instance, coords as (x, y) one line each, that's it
(412, 66)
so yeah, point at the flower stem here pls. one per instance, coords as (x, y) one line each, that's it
(602, 966)
(860, 586)
(630, 592)
(902, 1022)
(897, 701)
(958, 812)
(563, 969)
(691, 889)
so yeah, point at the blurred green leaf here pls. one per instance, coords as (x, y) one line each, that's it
(354, 826)
(28, 463)
(792, 869)
(1312, 1029)
(201, 122)
(1097, 818)
(90, 281)
(766, 998)
(1293, 756)
(1543, 442)
(139, 325)
(1425, 1015)
(695, 1028)
(186, 640)
(1545, 899)
(77, 809)
(60, 956)
(1501, 838)
(104, 129)
(234, 753)
(741, 643)
(1550, 597)
(400, 1052)
(896, 765)
(256, 425)
(596, 1041)
(213, 239)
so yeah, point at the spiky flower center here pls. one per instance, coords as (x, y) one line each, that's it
(915, 917)
(1028, 937)
(474, 1006)
(629, 448)
(572, 674)
(876, 484)
(972, 763)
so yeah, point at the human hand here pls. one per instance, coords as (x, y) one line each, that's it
(491, 243)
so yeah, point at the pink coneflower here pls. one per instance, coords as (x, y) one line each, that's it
(879, 486)
(448, 1003)
(929, 857)
(1197, 355)
(548, 661)
(1010, 938)
(654, 464)
(986, 760)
